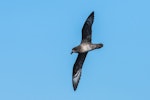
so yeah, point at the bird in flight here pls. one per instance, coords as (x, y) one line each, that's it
(85, 46)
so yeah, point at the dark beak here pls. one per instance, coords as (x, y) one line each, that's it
(71, 52)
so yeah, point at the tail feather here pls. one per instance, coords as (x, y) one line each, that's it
(99, 45)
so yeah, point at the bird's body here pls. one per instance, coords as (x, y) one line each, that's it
(83, 49)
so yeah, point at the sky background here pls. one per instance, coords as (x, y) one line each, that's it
(36, 38)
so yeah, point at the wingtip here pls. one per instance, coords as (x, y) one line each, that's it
(75, 85)
(92, 13)
(75, 79)
(90, 18)
(74, 88)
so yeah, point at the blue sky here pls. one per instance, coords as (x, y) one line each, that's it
(36, 38)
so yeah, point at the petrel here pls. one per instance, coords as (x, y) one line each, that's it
(85, 46)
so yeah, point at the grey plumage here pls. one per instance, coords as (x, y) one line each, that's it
(83, 49)
(87, 29)
(77, 69)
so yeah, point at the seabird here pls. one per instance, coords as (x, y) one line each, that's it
(85, 46)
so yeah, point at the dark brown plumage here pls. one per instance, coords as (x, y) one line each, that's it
(83, 49)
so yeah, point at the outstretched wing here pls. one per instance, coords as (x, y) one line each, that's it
(77, 68)
(87, 29)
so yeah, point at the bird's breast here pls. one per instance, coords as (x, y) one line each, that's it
(85, 47)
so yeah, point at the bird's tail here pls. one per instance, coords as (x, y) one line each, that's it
(99, 46)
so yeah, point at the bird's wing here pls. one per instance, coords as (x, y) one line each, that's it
(77, 69)
(87, 29)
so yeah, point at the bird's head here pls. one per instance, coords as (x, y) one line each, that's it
(74, 50)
